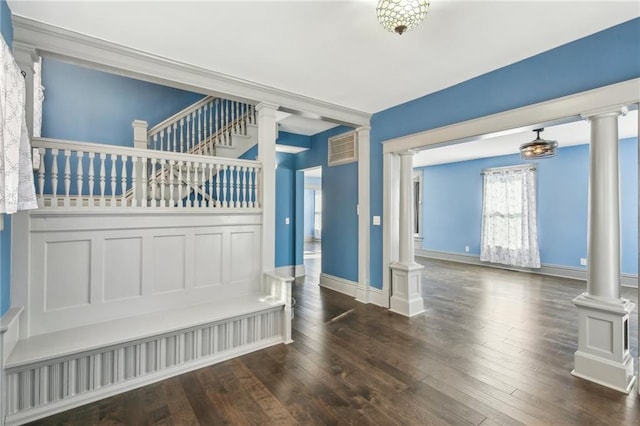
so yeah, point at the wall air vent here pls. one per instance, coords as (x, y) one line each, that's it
(343, 149)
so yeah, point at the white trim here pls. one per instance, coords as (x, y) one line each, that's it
(338, 284)
(627, 280)
(557, 110)
(364, 211)
(112, 57)
(376, 297)
(291, 271)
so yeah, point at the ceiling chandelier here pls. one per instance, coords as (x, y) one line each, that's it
(538, 148)
(400, 16)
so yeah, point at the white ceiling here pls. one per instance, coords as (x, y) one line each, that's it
(336, 51)
(575, 133)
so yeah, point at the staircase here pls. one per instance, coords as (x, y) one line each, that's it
(210, 127)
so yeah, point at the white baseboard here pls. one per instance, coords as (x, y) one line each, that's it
(291, 271)
(376, 298)
(627, 280)
(338, 284)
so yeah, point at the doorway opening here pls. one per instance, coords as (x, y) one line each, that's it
(312, 220)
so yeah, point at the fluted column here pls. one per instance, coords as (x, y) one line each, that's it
(267, 156)
(406, 275)
(603, 316)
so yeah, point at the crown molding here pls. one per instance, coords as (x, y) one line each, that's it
(82, 49)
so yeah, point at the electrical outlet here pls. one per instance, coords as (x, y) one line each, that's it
(466, 249)
(286, 220)
(583, 261)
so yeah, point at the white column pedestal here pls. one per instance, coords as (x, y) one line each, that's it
(603, 342)
(406, 294)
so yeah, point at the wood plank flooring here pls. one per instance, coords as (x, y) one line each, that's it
(493, 347)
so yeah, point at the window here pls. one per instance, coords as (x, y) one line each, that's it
(509, 225)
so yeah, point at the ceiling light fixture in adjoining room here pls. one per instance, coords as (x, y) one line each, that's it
(538, 148)
(400, 16)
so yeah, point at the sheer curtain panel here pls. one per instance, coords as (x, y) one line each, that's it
(509, 225)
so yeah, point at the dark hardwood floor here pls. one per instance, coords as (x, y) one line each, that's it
(493, 347)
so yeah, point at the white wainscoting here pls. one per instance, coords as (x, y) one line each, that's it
(90, 268)
(628, 280)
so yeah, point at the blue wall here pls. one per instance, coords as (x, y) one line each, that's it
(93, 106)
(339, 219)
(6, 29)
(606, 57)
(309, 212)
(452, 207)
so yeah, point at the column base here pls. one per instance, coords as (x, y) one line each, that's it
(406, 290)
(603, 342)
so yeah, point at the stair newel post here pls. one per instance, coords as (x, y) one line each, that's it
(140, 141)
(67, 176)
(79, 176)
(123, 180)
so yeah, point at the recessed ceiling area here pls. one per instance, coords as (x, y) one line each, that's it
(301, 125)
(336, 51)
(569, 134)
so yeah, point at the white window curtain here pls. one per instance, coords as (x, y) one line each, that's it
(17, 191)
(509, 224)
(38, 98)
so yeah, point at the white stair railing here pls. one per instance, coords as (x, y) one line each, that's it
(200, 127)
(107, 176)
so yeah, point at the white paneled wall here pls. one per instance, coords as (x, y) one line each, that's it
(89, 268)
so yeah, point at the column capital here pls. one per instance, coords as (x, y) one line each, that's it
(363, 129)
(408, 152)
(605, 112)
(267, 106)
(26, 55)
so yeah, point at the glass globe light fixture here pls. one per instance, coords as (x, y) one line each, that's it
(400, 16)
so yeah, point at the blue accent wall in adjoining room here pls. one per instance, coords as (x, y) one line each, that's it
(285, 208)
(452, 205)
(309, 212)
(339, 203)
(87, 105)
(6, 29)
(603, 58)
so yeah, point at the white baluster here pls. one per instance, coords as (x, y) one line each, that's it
(91, 178)
(169, 139)
(162, 147)
(224, 186)
(67, 177)
(258, 184)
(180, 180)
(252, 187)
(211, 130)
(123, 181)
(79, 178)
(187, 164)
(145, 182)
(218, 178)
(200, 127)
(163, 181)
(175, 137)
(135, 178)
(172, 164)
(114, 159)
(155, 142)
(217, 112)
(41, 173)
(211, 202)
(226, 123)
(233, 193)
(203, 188)
(154, 182)
(245, 189)
(102, 178)
(188, 133)
(193, 131)
(54, 177)
(182, 134)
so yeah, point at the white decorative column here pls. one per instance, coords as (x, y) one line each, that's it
(603, 316)
(267, 155)
(362, 292)
(406, 290)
